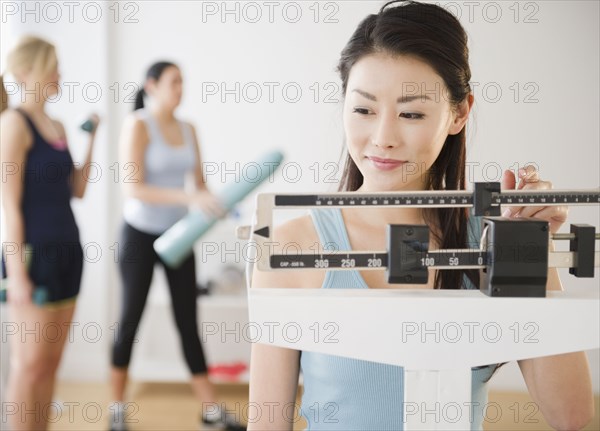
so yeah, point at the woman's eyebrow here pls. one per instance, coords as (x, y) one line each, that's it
(406, 99)
(401, 99)
(365, 95)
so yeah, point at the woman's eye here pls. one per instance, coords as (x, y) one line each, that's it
(412, 116)
(361, 111)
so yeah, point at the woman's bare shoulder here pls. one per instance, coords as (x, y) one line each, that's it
(299, 231)
(15, 130)
(290, 237)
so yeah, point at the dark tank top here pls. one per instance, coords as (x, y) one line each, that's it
(47, 192)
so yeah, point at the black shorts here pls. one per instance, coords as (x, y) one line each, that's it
(56, 267)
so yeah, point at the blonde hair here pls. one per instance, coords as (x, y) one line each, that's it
(31, 54)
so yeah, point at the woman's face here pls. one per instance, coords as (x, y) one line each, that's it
(168, 90)
(53, 81)
(46, 83)
(397, 116)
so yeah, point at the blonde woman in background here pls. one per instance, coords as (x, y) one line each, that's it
(36, 203)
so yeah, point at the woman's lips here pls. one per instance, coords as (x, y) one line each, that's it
(385, 164)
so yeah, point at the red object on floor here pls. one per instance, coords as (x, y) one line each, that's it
(227, 371)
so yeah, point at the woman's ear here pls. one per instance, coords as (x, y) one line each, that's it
(149, 86)
(461, 115)
(23, 76)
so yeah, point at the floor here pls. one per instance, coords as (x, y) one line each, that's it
(160, 406)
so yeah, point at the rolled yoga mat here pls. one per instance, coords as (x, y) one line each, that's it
(176, 244)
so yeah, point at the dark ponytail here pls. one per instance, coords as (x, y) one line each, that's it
(139, 99)
(4, 94)
(154, 72)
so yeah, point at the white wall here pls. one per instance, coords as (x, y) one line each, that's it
(551, 49)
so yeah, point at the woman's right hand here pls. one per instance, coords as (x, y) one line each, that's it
(20, 290)
(95, 119)
(208, 203)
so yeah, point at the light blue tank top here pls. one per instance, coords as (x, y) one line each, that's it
(350, 394)
(164, 166)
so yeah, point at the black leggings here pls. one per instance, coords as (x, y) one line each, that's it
(136, 264)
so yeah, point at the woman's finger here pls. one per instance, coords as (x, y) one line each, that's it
(554, 215)
(528, 211)
(528, 174)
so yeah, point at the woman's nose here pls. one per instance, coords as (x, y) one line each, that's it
(385, 133)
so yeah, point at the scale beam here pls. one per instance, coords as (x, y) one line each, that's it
(513, 257)
(442, 199)
(445, 259)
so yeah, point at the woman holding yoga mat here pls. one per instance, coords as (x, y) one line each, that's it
(163, 151)
(41, 243)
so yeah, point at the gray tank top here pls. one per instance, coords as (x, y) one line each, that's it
(165, 166)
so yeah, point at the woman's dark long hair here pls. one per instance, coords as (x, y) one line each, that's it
(433, 35)
(154, 72)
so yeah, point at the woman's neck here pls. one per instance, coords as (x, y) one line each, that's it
(378, 218)
(395, 215)
(34, 107)
(163, 115)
